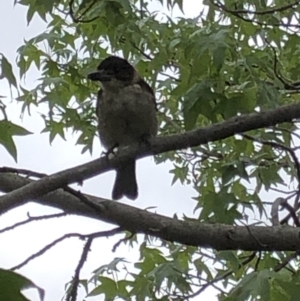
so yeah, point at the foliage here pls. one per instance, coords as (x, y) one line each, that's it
(224, 62)
(11, 285)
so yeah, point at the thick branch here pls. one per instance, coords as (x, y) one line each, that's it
(158, 145)
(221, 237)
(217, 236)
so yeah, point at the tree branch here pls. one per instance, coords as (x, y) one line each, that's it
(220, 237)
(235, 125)
(217, 236)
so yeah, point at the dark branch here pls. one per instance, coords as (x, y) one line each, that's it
(69, 235)
(257, 12)
(220, 278)
(241, 14)
(220, 237)
(286, 261)
(216, 236)
(287, 86)
(46, 248)
(219, 131)
(72, 293)
(32, 219)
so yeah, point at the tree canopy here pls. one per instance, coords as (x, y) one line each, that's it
(227, 86)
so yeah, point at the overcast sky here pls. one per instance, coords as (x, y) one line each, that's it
(52, 270)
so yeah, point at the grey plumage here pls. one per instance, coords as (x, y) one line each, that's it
(126, 112)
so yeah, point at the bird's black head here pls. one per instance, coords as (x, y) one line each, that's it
(113, 68)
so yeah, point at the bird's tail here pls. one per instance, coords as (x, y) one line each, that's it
(125, 184)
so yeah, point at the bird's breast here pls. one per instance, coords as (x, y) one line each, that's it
(126, 116)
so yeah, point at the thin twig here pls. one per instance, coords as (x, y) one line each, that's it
(117, 244)
(287, 86)
(26, 172)
(46, 248)
(283, 264)
(32, 219)
(257, 12)
(239, 15)
(72, 293)
(222, 277)
(69, 235)
(285, 148)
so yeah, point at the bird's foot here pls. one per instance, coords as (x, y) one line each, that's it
(111, 152)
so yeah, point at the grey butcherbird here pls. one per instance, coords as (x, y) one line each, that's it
(126, 111)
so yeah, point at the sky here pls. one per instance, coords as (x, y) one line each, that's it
(54, 269)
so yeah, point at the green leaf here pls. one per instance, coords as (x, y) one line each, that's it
(205, 68)
(55, 128)
(108, 268)
(196, 102)
(11, 285)
(7, 131)
(180, 173)
(108, 287)
(6, 71)
(218, 57)
(269, 175)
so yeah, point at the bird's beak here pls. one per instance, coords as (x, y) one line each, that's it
(100, 75)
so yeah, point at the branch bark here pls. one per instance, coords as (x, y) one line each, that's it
(216, 236)
(230, 127)
(135, 220)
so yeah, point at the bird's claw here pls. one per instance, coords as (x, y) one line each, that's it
(111, 152)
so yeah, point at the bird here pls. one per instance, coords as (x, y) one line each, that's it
(126, 111)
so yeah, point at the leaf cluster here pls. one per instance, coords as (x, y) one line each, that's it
(231, 58)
